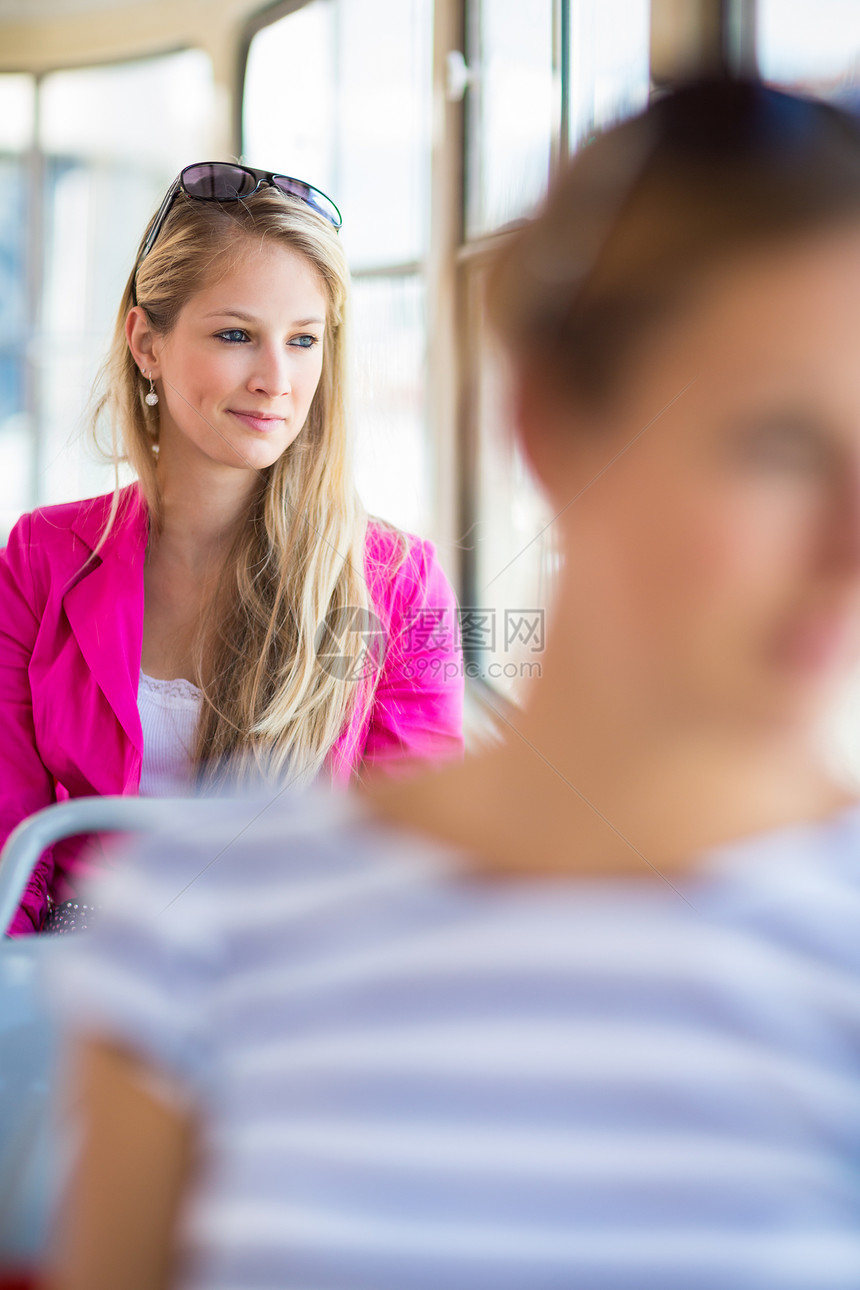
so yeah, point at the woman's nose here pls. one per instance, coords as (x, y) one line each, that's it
(271, 373)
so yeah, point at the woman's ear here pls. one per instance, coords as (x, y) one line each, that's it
(141, 341)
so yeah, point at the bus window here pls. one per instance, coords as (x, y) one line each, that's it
(102, 145)
(339, 93)
(812, 46)
(599, 58)
(17, 108)
(510, 110)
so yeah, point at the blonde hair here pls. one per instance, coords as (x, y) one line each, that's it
(297, 561)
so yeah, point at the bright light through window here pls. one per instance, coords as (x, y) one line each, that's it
(339, 93)
(510, 110)
(17, 112)
(609, 63)
(110, 140)
(288, 119)
(810, 43)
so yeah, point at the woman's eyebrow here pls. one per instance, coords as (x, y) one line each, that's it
(245, 317)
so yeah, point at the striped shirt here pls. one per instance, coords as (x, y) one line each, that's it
(412, 1079)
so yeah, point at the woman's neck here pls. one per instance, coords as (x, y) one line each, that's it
(590, 780)
(200, 511)
(521, 811)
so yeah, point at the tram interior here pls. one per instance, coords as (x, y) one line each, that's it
(437, 126)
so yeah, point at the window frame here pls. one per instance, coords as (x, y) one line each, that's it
(420, 268)
(34, 161)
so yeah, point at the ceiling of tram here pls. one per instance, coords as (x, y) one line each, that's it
(46, 10)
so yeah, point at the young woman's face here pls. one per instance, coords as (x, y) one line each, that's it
(238, 372)
(716, 560)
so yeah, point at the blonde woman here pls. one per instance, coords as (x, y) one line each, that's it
(234, 605)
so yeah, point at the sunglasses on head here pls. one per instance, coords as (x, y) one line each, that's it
(224, 181)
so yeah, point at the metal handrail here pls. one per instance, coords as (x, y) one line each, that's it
(67, 819)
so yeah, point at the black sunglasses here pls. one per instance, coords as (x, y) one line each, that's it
(224, 181)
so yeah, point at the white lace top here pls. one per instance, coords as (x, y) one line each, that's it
(169, 711)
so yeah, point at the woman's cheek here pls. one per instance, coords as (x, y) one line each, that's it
(743, 562)
(699, 583)
(308, 382)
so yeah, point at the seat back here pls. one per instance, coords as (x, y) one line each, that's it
(68, 819)
(30, 1161)
(27, 1060)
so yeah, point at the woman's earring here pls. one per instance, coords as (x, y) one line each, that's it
(151, 398)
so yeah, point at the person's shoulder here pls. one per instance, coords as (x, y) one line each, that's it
(386, 546)
(401, 566)
(58, 525)
(798, 885)
(43, 546)
(47, 548)
(818, 852)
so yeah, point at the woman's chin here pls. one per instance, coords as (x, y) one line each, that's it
(253, 456)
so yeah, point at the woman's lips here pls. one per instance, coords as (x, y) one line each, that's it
(262, 424)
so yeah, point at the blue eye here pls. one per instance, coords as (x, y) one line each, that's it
(305, 342)
(235, 336)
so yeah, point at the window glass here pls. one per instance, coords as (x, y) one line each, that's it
(14, 422)
(112, 138)
(511, 110)
(17, 112)
(391, 447)
(609, 63)
(812, 45)
(514, 553)
(289, 107)
(17, 118)
(513, 542)
(339, 93)
(146, 113)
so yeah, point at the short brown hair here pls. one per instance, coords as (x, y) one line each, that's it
(715, 168)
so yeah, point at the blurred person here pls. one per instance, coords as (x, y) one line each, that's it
(585, 1010)
(235, 601)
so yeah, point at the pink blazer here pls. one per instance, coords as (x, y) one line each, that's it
(71, 627)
